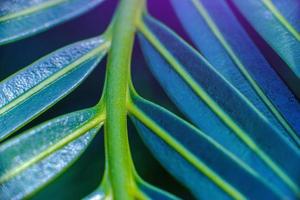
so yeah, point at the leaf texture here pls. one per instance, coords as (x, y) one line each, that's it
(218, 109)
(221, 39)
(278, 23)
(31, 160)
(34, 89)
(22, 18)
(201, 164)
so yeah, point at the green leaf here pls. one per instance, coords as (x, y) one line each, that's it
(279, 26)
(201, 164)
(31, 160)
(34, 89)
(226, 45)
(22, 18)
(218, 109)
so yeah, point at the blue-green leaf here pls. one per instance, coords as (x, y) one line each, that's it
(154, 193)
(31, 160)
(218, 35)
(34, 89)
(219, 109)
(279, 26)
(22, 18)
(290, 9)
(201, 164)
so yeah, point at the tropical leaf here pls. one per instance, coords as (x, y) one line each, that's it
(201, 164)
(222, 40)
(31, 160)
(279, 26)
(22, 18)
(34, 89)
(217, 108)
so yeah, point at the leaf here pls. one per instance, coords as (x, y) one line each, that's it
(202, 165)
(31, 91)
(33, 159)
(290, 10)
(225, 44)
(154, 193)
(22, 18)
(279, 31)
(217, 108)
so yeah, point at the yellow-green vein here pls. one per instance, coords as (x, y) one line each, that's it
(103, 47)
(244, 71)
(270, 6)
(216, 108)
(230, 190)
(31, 10)
(92, 123)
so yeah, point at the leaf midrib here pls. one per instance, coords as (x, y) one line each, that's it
(51, 79)
(30, 10)
(216, 108)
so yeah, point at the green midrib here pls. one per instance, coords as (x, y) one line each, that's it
(215, 30)
(216, 109)
(31, 10)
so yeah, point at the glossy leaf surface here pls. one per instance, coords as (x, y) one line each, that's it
(222, 40)
(196, 160)
(278, 23)
(31, 91)
(22, 18)
(31, 160)
(217, 108)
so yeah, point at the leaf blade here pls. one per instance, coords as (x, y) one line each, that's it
(276, 31)
(222, 40)
(19, 19)
(54, 146)
(202, 94)
(31, 91)
(163, 132)
(154, 193)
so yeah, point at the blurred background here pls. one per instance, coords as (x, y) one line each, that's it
(85, 175)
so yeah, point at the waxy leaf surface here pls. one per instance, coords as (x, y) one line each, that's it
(225, 44)
(22, 18)
(31, 160)
(278, 23)
(201, 164)
(34, 89)
(217, 108)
